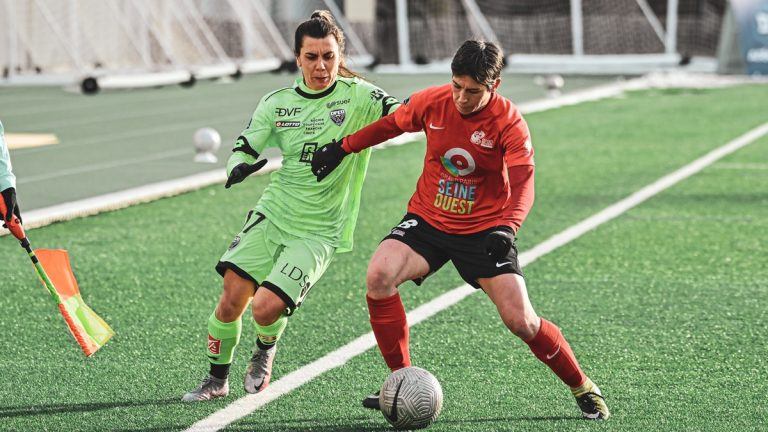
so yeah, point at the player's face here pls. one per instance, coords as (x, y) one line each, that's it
(469, 95)
(319, 61)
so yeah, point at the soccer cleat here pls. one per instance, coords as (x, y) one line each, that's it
(372, 401)
(210, 388)
(260, 370)
(591, 402)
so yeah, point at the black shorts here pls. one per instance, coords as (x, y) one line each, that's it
(465, 251)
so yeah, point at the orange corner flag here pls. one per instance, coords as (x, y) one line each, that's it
(90, 331)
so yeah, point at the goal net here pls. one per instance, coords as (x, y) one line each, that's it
(134, 42)
(583, 35)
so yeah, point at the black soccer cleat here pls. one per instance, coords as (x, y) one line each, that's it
(591, 402)
(372, 401)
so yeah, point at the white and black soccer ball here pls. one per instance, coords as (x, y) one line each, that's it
(207, 141)
(411, 398)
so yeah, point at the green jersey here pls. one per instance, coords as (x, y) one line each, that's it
(299, 120)
(7, 179)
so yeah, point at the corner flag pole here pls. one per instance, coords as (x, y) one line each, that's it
(88, 329)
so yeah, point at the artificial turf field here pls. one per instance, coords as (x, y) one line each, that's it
(664, 306)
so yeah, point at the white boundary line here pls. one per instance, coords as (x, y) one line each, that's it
(250, 403)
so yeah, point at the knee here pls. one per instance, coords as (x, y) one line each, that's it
(522, 326)
(229, 308)
(379, 282)
(266, 313)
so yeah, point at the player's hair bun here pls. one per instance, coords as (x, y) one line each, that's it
(323, 15)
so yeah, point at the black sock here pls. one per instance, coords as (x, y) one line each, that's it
(263, 346)
(220, 371)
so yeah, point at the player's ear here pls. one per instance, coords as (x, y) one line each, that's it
(496, 84)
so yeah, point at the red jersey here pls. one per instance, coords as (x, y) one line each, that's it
(465, 185)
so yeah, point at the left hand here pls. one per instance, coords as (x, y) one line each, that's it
(11, 206)
(498, 244)
(327, 159)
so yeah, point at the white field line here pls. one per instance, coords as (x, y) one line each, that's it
(247, 404)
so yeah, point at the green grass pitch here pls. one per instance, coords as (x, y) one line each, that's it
(665, 306)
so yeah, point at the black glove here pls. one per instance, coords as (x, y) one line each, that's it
(327, 159)
(243, 170)
(12, 207)
(498, 244)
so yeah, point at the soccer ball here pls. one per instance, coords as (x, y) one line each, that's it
(207, 141)
(411, 398)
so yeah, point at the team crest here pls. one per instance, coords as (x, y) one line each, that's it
(338, 116)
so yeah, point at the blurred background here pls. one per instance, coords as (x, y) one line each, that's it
(124, 43)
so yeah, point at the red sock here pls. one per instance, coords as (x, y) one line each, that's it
(550, 347)
(391, 330)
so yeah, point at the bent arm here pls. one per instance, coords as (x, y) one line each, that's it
(521, 187)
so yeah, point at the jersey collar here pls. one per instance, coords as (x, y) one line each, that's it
(485, 109)
(308, 93)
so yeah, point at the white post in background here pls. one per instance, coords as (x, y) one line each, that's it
(577, 28)
(478, 22)
(403, 34)
(13, 52)
(671, 40)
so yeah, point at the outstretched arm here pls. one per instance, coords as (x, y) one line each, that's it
(325, 160)
(375, 133)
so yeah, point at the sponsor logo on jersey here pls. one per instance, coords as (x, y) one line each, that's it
(377, 94)
(314, 126)
(307, 152)
(214, 345)
(338, 116)
(478, 138)
(458, 162)
(298, 275)
(332, 104)
(455, 196)
(287, 112)
(287, 124)
(235, 242)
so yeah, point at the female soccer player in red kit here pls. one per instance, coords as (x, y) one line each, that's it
(475, 190)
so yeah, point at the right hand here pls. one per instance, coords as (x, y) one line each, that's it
(243, 170)
(499, 243)
(11, 206)
(327, 158)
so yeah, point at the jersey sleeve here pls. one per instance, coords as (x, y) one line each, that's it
(256, 136)
(409, 117)
(7, 179)
(380, 103)
(518, 148)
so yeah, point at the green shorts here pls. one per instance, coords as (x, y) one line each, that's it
(285, 264)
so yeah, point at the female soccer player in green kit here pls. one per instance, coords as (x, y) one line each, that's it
(290, 237)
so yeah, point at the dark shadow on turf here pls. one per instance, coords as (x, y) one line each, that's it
(359, 424)
(32, 410)
(362, 424)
